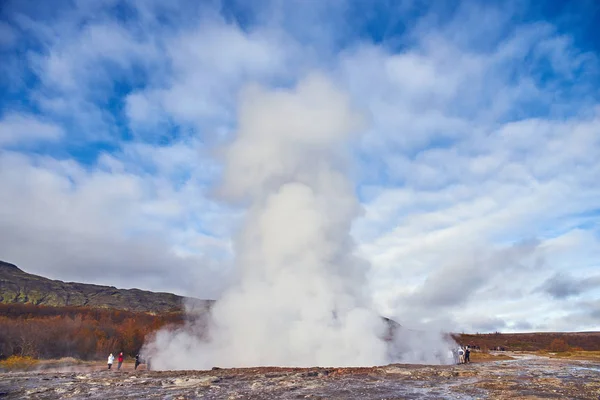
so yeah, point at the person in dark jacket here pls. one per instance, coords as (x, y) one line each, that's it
(138, 361)
(467, 354)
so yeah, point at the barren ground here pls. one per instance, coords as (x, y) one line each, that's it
(524, 377)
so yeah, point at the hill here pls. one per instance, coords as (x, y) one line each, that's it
(17, 286)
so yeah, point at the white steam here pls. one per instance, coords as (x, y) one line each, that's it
(299, 296)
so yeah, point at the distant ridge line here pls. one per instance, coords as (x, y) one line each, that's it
(18, 286)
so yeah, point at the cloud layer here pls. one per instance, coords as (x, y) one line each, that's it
(477, 170)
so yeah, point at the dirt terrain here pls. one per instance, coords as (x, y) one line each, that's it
(524, 377)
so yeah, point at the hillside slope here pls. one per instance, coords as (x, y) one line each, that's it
(17, 286)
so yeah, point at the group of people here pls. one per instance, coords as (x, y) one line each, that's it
(111, 360)
(461, 355)
(138, 361)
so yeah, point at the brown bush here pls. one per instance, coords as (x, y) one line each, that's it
(587, 341)
(18, 363)
(54, 332)
(558, 345)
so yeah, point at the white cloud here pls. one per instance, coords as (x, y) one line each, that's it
(478, 173)
(467, 173)
(16, 128)
(208, 65)
(107, 227)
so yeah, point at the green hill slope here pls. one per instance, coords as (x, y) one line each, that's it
(17, 286)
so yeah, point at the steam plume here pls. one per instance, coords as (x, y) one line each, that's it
(299, 295)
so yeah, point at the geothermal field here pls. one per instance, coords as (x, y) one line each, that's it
(285, 199)
(522, 377)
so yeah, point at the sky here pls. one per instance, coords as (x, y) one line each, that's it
(477, 167)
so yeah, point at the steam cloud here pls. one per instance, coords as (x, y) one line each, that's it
(299, 298)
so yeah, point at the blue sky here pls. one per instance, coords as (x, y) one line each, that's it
(477, 169)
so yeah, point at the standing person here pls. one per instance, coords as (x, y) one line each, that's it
(111, 360)
(467, 355)
(461, 355)
(120, 359)
(137, 361)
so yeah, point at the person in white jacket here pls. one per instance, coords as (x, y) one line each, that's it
(461, 355)
(111, 360)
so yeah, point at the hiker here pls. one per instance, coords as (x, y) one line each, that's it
(467, 355)
(137, 361)
(461, 355)
(120, 359)
(111, 360)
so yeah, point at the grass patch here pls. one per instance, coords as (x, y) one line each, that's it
(64, 362)
(483, 357)
(18, 363)
(572, 355)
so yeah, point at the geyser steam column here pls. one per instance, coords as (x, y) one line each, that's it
(298, 297)
(299, 300)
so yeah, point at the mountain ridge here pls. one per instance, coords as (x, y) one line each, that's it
(18, 286)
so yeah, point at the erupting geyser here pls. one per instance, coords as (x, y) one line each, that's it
(298, 298)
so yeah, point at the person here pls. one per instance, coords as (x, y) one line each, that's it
(137, 361)
(461, 355)
(111, 359)
(120, 361)
(467, 354)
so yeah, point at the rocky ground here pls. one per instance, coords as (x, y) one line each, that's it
(525, 377)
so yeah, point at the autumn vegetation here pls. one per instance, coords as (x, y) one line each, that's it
(29, 332)
(546, 341)
(42, 332)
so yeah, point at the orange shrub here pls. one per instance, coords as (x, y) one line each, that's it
(558, 345)
(54, 332)
(18, 363)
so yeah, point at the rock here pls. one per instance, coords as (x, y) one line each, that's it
(397, 370)
(448, 374)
